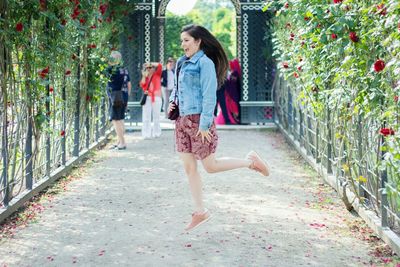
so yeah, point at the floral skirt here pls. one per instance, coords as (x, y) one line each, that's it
(187, 140)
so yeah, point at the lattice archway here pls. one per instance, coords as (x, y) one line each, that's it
(162, 8)
(164, 3)
(147, 30)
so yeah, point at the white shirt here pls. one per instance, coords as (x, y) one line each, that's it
(170, 80)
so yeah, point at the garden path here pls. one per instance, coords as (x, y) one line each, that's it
(129, 208)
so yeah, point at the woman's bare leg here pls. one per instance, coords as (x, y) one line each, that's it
(122, 132)
(119, 131)
(195, 183)
(116, 128)
(212, 164)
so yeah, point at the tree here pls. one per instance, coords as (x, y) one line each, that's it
(172, 34)
(213, 15)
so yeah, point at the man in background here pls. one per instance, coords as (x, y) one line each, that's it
(167, 83)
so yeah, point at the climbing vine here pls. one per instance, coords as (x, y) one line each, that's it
(52, 57)
(342, 57)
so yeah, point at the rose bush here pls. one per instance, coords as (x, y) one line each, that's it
(52, 53)
(349, 55)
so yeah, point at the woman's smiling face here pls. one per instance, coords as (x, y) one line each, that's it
(189, 45)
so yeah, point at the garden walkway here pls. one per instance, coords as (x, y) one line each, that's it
(129, 208)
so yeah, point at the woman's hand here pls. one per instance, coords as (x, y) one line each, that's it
(171, 107)
(204, 134)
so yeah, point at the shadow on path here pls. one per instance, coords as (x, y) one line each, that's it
(131, 207)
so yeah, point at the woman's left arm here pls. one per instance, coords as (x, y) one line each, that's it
(208, 84)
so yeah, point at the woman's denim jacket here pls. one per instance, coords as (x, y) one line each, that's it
(196, 84)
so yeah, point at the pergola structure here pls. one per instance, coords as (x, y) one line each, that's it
(147, 33)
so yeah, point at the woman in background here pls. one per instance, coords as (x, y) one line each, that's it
(228, 96)
(151, 85)
(119, 80)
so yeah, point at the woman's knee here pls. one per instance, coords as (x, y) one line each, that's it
(189, 164)
(190, 168)
(210, 167)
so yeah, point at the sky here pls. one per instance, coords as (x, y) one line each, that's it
(181, 7)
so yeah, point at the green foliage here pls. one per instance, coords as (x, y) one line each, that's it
(51, 55)
(332, 53)
(216, 17)
(173, 34)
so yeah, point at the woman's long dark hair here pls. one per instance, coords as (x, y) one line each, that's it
(212, 48)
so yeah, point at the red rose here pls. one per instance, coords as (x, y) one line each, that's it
(51, 89)
(306, 18)
(103, 8)
(386, 131)
(108, 19)
(19, 27)
(379, 65)
(381, 9)
(286, 5)
(291, 34)
(91, 46)
(63, 22)
(43, 73)
(68, 72)
(353, 36)
(43, 4)
(93, 27)
(337, 1)
(82, 21)
(299, 68)
(396, 98)
(62, 133)
(296, 75)
(285, 65)
(333, 36)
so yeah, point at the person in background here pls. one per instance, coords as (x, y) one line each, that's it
(228, 96)
(167, 83)
(118, 80)
(151, 85)
(199, 73)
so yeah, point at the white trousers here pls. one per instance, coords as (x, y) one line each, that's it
(151, 112)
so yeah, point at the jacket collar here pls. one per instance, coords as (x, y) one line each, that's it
(196, 56)
(193, 59)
